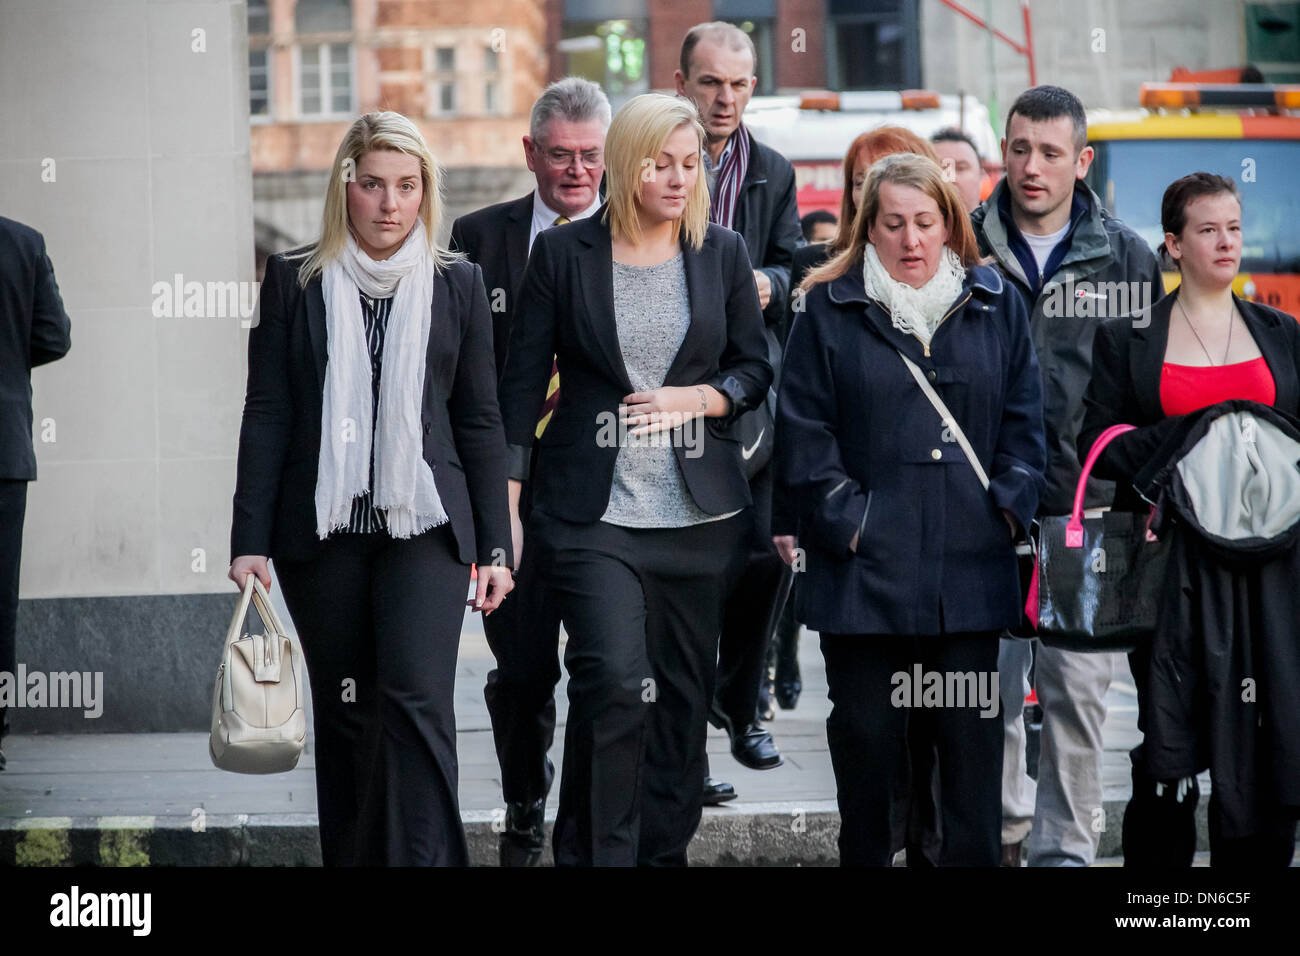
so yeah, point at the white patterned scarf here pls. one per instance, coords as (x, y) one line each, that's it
(915, 311)
(404, 488)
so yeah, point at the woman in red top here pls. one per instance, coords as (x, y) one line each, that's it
(1197, 346)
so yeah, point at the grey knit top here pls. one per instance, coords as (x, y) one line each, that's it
(652, 312)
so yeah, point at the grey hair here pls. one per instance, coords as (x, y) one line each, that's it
(572, 98)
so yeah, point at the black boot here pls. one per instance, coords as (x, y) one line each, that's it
(525, 834)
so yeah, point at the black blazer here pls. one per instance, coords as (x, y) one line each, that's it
(279, 441)
(34, 329)
(1127, 358)
(566, 309)
(497, 239)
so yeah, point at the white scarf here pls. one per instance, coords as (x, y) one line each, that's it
(915, 311)
(404, 488)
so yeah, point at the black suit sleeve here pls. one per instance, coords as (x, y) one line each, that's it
(744, 373)
(785, 237)
(51, 327)
(268, 418)
(1111, 399)
(529, 356)
(457, 241)
(476, 428)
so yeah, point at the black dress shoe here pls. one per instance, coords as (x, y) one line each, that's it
(754, 748)
(525, 834)
(716, 792)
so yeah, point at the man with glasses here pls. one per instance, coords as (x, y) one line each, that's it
(564, 150)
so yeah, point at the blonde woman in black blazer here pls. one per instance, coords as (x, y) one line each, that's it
(652, 316)
(371, 469)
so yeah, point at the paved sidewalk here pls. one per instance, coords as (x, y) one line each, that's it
(156, 798)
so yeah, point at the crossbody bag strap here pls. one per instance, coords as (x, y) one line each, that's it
(947, 417)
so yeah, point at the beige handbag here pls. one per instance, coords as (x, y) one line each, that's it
(259, 724)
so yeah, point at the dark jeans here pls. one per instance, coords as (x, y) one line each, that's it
(642, 609)
(379, 620)
(870, 739)
(13, 510)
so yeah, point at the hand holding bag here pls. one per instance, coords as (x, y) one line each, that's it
(259, 724)
(1097, 580)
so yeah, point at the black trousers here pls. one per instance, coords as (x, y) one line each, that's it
(13, 511)
(524, 635)
(1160, 831)
(870, 738)
(642, 608)
(758, 592)
(379, 620)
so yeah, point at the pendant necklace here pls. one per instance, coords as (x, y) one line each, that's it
(1226, 351)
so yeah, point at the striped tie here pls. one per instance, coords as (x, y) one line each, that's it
(553, 387)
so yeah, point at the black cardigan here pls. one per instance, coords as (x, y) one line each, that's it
(1127, 357)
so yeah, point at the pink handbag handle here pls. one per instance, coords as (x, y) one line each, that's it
(1074, 528)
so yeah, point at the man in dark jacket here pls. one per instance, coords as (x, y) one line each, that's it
(565, 151)
(1075, 265)
(752, 191)
(34, 329)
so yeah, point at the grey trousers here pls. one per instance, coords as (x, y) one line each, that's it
(1068, 817)
(1018, 788)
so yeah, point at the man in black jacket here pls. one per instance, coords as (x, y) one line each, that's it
(752, 190)
(34, 329)
(565, 151)
(1075, 265)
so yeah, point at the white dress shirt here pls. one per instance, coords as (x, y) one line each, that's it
(544, 216)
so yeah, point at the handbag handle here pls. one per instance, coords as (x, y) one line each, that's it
(265, 608)
(254, 592)
(1074, 527)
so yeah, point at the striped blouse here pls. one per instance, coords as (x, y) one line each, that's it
(365, 518)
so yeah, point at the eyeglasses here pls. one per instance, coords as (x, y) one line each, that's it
(563, 158)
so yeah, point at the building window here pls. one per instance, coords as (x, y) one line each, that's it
(610, 53)
(259, 17)
(874, 45)
(322, 16)
(446, 98)
(446, 59)
(259, 83)
(491, 97)
(491, 60)
(325, 79)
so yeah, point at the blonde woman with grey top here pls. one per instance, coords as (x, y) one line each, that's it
(652, 317)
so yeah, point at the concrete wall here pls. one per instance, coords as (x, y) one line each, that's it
(1140, 42)
(128, 147)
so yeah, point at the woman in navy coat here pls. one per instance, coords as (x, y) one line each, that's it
(910, 565)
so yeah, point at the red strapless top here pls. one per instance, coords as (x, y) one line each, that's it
(1187, 388)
